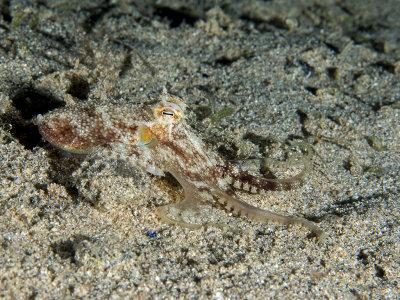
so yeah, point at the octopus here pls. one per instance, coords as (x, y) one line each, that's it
(159, 140)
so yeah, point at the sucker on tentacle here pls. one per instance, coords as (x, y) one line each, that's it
(159, 140)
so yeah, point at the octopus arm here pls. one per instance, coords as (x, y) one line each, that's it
(196, 199)
(236, 205)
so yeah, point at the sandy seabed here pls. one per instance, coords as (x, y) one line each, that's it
(257, 78)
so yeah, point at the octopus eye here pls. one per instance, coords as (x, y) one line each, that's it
(167, 113)
(169, 110)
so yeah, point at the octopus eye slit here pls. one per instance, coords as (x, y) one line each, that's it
(167, 113)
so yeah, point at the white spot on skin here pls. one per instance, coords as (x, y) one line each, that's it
(222, 183)
(237, 184)
(229, 179)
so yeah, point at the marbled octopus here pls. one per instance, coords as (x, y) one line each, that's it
(158, 140)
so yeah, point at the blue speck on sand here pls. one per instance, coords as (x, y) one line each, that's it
(151, 234)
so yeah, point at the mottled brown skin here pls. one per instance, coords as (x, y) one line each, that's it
(159, 140)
